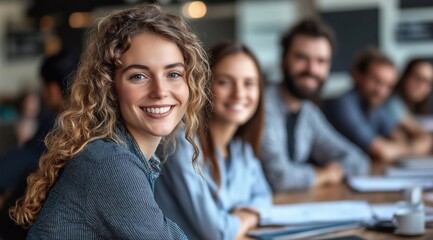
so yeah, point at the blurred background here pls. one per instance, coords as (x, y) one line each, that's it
(31, 28)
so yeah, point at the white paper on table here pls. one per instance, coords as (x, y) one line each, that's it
(426, 122)
(386, 184)
(319, 212)
(409, 172)
(385, 211)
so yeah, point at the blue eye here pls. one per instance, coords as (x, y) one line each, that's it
(137, 77)
(174, 75)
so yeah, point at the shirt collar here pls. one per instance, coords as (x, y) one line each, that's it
(152, 164)
(281, 101)
(362, 103)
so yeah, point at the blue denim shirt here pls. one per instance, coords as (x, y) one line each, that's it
(195, 201)
(348, 114)
(105, 192)
(396, 109)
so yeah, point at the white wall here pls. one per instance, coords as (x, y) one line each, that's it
(17, 74)
(261, 25)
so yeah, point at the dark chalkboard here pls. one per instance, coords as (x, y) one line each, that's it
(355, 30)
(415, 3)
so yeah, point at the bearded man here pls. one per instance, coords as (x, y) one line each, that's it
(300, 149)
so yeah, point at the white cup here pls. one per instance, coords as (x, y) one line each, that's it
(413, 195)
(409, 222)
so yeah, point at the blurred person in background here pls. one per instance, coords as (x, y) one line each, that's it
(300, 149)
(227, 197)
(29, 107)
(8, 136)
(415, 87)
(17, 164)
(410, 103)
(362, 116)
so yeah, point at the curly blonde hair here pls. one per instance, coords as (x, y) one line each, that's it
(92, 111)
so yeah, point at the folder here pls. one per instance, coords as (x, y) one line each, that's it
(387, 184)
(298, 232)
(317, 213)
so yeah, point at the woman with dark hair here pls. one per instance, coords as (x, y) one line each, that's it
(224, 199)
(142, 73)
(415, 86)
(411, 98)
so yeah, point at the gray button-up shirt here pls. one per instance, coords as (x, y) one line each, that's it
(315, 139)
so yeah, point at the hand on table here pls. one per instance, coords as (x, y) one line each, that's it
(249, 218)
(332, 173)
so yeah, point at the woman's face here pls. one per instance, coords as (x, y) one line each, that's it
(419, 82)
(235, 89)
(30, 106)
(151, 86)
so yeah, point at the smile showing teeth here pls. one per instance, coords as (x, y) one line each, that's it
(236, 106)
(161, 110)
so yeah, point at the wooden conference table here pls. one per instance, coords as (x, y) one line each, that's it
(343, 192)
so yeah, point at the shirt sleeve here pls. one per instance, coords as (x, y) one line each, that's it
(282, 173)
(395, 108)
(18, 163)
(15, 165)
(348, 119)
(261, 195)
(181, 186)
(331, 145)
(387, 123)
(121, 202)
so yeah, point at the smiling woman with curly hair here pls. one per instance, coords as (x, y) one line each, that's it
(143, 75)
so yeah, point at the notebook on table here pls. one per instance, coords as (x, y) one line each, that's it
(416, 162)
(298, 232)
(317, 213)
(387, 184)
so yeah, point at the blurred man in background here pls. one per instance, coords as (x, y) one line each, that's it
(56, 72)
(361, 116)
(300, 149)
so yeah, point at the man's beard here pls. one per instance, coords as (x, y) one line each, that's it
(289, 82)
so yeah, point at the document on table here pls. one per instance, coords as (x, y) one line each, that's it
(386, 184)
(409, 172)
(301, 232)
(426, 122)
(416, 162)
(319, 212)
(385, 211)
